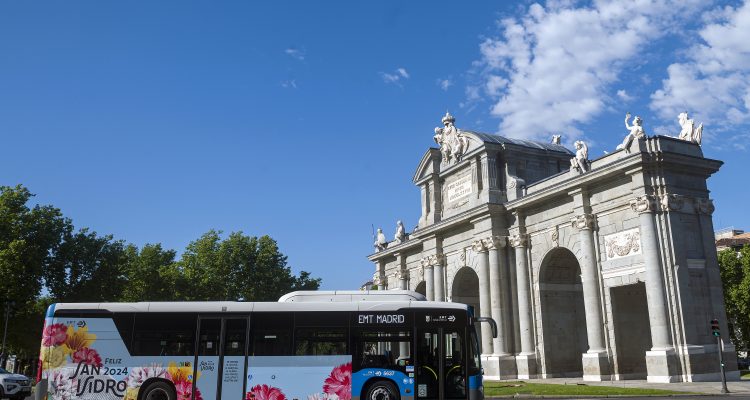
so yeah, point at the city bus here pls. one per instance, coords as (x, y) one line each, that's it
(308, 346)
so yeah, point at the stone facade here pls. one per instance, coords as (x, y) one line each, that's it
(609, 273)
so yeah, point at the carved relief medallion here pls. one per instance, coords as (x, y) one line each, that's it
(623, 244)
(642, 204)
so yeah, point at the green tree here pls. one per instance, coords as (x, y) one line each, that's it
(148, 275)
(238, 268)
(735, 277)
(28, 236)
(87, 268)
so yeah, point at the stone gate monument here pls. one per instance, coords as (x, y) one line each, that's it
(604, 268)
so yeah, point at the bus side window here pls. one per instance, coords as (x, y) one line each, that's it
(383, 349)
(271, 334)
(320, 341)
(164, 334)
(124, 324)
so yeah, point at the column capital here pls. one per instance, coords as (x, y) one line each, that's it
(671, 202)
(519, 240)
(478, 246)
(704, 206)
(378, 279)
(643, 204)
(432, 261)
(402, 274)
(495, 242)
(584, 221)
(438, 259)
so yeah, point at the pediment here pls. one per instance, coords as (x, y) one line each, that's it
(430, 164)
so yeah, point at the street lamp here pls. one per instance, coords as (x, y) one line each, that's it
(8, 306)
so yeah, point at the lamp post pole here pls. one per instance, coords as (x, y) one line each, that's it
(8, 305)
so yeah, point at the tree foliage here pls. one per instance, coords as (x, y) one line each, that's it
(44, 260)
(735, 277)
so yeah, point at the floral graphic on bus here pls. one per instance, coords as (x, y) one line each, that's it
(339, 382)
(88, 356)
(54, 335)
(265, 392)
(181, 376)
(62, 385)
(78, 338)
(60, 341)
(138, 375)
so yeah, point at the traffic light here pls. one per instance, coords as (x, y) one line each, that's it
(715, 327)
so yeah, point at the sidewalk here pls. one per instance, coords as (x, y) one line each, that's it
(736, 387)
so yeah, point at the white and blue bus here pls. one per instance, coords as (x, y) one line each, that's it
(308, 346)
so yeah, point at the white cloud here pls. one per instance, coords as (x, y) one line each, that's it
(552, 68)
(396, 76)
(624, 96)
(295, 53)
(445, 84)
(290, 84)
(713, 82)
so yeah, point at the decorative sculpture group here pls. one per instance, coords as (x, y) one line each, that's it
(689, 132)
(381, 243)
(453, 144)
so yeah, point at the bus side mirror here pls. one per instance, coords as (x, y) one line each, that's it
(493, 324)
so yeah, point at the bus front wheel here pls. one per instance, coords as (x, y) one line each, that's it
(382, 390)
(159, 391)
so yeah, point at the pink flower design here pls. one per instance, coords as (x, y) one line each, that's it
(340, 382)
(184, 391)
(264, 392)
(54, 335)
(88, 356)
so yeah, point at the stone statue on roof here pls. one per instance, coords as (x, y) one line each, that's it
(380, 242)
(556, 139)
(581, 161)
(453, 144)
(400, 235)
(689, 132)
(636, 132)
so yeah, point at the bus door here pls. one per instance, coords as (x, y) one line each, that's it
(441, 363)
(220, 364)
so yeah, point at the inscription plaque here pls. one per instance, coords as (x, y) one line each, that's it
(459, 188)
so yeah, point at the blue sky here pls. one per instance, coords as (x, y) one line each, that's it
(157, 121)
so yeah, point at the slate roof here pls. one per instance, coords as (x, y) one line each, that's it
(497, 139)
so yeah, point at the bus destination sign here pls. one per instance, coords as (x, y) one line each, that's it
(381, 319)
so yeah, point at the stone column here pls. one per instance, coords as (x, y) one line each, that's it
(403, 279)
(494, 244)
(378, 278)
(525, 361)
(429, 278)
(439, 272)
(660, 361)
(484, 294)
(403, 274)
(645, 206)
(506, 363)
(595, 360)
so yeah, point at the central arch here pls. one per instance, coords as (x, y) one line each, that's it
(563, 315)
(465, 289)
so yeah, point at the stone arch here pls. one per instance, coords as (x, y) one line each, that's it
(421, 288)
(563, 315)
(465, 289)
